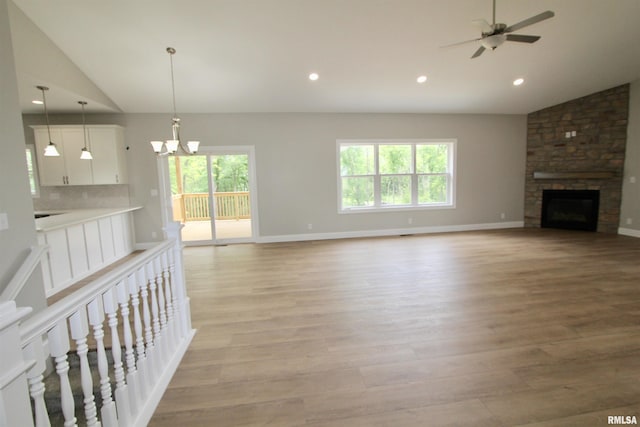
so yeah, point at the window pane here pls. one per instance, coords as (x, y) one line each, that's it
(356, 160)
(431, 158)
(432, 189)
(395, 159)
(32, 177)
(357, 192)
(395, 190)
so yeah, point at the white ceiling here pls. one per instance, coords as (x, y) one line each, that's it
(255, 55)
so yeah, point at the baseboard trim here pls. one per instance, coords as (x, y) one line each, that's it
(389, 232)
(629, 232)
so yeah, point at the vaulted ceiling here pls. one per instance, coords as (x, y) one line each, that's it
(256, 55)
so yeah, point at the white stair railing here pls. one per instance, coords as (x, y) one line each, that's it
(134, 321)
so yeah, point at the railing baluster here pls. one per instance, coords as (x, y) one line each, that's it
(79, 332)
(96, 318)
(59, 346)
(148, 331)
(141, 350)
(157, 267)
(35, 377)
(166, 280)
(121, 393)
(155, 315)
(129, 356)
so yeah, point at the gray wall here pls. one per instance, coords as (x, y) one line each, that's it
(297, 175)
(15, 197)
(630, 208)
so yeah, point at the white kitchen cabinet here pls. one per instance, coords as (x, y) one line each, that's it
(106, 143)
(68, 168)
(107, 147)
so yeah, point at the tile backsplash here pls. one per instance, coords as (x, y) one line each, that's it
(82, 197)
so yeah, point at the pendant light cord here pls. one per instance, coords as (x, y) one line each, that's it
(46, 113)
(84, 127)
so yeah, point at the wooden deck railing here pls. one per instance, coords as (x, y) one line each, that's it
(195, 206)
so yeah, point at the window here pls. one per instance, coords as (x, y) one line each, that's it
(379, 175)
(31, 169)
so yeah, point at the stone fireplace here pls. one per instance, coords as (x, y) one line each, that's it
(579, 145)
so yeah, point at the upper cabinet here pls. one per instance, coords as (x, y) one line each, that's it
(106, 143)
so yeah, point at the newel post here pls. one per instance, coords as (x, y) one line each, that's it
(15, 403)
(173, 231)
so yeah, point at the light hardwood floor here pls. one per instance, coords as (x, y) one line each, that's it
(497, 328)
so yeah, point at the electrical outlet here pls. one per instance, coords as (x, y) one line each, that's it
(309, 226)
(567, 135)
(502, 215)
(410, 221)
(154, 192)
(632, 179)
(629, 221)
(154, 235)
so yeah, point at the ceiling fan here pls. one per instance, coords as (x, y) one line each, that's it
(495, 34)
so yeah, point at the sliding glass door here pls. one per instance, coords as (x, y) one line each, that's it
(212, 195)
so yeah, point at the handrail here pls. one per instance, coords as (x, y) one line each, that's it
(25, 271)
(47, 318)
(137, 318)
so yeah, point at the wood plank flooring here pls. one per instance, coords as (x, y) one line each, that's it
(499, 328)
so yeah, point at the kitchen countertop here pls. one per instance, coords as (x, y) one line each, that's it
(65, 218)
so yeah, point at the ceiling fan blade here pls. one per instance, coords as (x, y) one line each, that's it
(478, 52)
(460, 43)
(533, 20)
(483, 25)
(522, 38)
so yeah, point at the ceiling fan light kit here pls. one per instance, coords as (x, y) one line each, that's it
(495, 34)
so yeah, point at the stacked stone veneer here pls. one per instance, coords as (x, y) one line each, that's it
(600, 122)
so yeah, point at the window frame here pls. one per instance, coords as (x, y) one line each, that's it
(30, 150)
(414, 176)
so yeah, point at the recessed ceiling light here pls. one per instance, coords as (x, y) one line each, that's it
(518, 81)
(37, 102)
(421, 79)
(314, 76)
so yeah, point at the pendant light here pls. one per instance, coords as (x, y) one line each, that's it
(172, 145)
(50, 150)
(85, 154)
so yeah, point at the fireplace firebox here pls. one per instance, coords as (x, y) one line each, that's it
(570, 209)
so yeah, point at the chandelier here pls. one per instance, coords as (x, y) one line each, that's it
(173, 145)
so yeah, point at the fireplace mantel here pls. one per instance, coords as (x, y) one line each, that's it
(574, 175)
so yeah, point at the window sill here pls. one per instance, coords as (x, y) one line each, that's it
(395, 209)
